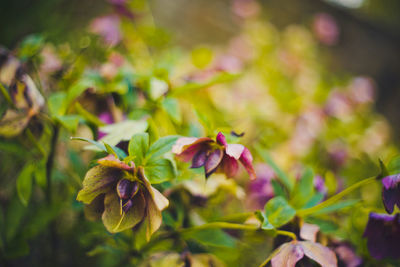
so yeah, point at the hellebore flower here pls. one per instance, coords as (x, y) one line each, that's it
(383, 234)
(391, 192)
(260, 190)
(122, 196)
(289, 254)
(214, 155)
(25, 97)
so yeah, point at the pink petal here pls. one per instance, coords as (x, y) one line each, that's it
(247, 160)
(288, 255)
(234, 150)
(221, 139)
(317, 252)
(213, 161)
(230, 166)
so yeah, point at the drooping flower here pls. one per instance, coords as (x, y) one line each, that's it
(122, 196)
(260, 190)
(25, 97)
(214, 155)
(391, 192)
(383, 234)
(290, 253)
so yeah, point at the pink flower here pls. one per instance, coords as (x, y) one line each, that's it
(326, 29)
(108, 27)
(214, 155)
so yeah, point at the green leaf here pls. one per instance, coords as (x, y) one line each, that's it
(211, 237)
(70, 122)
(89, 117)
(280, 174)
(160, 170)
(278, 212)
(171, 106)
(57, 104)
(138, 147)
(24, 183)
(110, 150)
(314, 200)
(96, 144)
(30, 46)
(40, 173)
(304, 189)
(122, 131)
(161, 146)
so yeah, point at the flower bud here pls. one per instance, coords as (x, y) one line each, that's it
(127, 189)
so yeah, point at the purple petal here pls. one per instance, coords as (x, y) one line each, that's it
(212, 162)
(391, 181)
(221, 139)
(383, 233)
(199, 159)
(127, 205)
(127, 189)
(247, 160)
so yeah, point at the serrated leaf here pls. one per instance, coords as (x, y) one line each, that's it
(160, 170)
(24, 184)
(161, 146)
(278, 212)
(138, 146)
(304, 189)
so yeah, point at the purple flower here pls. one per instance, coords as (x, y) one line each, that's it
(319, 184)
(383, 234)
(108, 27)
(391, 192)
(107, 118)
(261, 189)
(214, 155)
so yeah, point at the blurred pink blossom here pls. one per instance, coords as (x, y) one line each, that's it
(108, 27)
(245, 8)
(260, 190)
(326, 29)
(362, 90)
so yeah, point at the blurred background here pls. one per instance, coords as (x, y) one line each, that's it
(360, 37)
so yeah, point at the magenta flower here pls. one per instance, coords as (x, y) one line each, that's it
(214, 155)
(391, 192)
(383, 234)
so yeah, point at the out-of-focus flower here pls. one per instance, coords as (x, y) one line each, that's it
(338, 155)
(290, 253)
(122, 196)
(245, 8)
(383, 234)
(121, 7)
(108, 27)
(260, 190)
(25, 97)
(326, 29)
(346, 255)
(319, 184)
(391, 192)
(213, 155)
(362, 90)
(338, 105)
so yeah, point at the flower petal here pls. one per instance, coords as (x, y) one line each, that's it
(221, 139)
(112, 218)
(288, 255)
(186, 147)
(390, 197)
(317, 252)
(98, 180)
(230, 166)
(212, 162)
(234, 150)
(199, 159)
(309, 232)
(94, 210)
(113, 162)
(247, 160)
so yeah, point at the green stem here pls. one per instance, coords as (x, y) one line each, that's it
(35, 142)
(222, 225)
(267, 260)
(286, 233)
(50, 161)
(336, 197)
